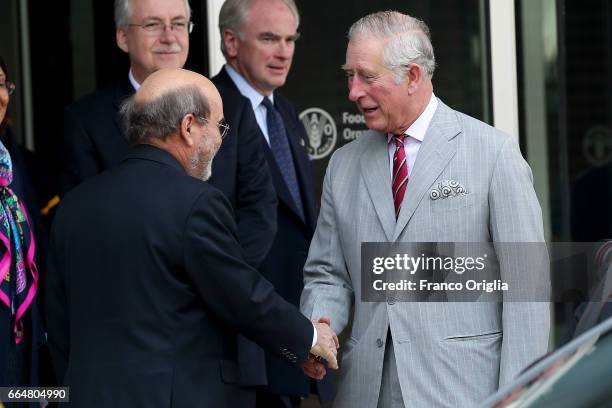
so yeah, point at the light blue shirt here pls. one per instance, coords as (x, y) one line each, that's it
(255, 97)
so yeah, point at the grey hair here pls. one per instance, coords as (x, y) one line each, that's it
(409, 41)
(123, 12)
(235, 13)
(162, 116)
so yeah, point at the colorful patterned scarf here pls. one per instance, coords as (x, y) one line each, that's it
(18, 273)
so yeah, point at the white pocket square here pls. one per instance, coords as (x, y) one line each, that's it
(447, 188)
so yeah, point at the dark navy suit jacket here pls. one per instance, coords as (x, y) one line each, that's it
(283, 266)
(147, 287)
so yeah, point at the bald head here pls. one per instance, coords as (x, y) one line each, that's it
(178, 111)
(163, 100)
(165, 81)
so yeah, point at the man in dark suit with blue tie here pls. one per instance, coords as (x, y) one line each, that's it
(258, 41)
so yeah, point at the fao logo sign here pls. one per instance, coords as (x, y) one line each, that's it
(597, 145)
(322, 133)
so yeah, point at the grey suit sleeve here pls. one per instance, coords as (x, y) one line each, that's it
(328, 290)
(515, 216)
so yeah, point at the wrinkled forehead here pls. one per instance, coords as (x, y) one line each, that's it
(364, 53)
(270, 16)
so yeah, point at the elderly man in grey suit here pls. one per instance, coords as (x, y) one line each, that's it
(378, 188)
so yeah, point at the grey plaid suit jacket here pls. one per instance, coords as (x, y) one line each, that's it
(448, 354)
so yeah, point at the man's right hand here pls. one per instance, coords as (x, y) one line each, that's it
(327, 344)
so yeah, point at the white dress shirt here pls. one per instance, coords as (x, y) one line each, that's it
(416, 134)
(133, 81)
(255, 97)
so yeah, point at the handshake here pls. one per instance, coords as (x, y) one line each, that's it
(326, 349)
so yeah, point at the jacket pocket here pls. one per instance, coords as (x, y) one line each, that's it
(453, 202)
(471, 337)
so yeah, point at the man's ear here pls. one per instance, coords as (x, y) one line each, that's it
(230, 41)
(121, 37)
(414, 76)
(186, 128)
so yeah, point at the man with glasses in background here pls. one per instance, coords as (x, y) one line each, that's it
(155, 35)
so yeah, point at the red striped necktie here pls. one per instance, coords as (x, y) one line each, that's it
(400, 173)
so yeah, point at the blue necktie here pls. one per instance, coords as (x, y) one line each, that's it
(279, 144)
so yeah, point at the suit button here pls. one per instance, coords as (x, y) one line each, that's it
(391, 302)
(379, 342)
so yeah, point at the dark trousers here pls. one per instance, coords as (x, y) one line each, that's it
(265, 400)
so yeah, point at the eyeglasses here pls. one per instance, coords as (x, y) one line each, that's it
(222, 126)
(157, 27)
(9, 86)
(223, 129)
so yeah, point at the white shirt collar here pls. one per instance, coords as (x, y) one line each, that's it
(133, 81)
(245, 88)
(419, 127)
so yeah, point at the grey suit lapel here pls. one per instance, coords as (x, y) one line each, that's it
(435, 152)
(374, 163)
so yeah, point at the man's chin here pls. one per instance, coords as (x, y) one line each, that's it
(206, 172)
(197, 171)
(170, 61)
(376, 126)
(276, 81)
(202, 176)
(206, 176)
